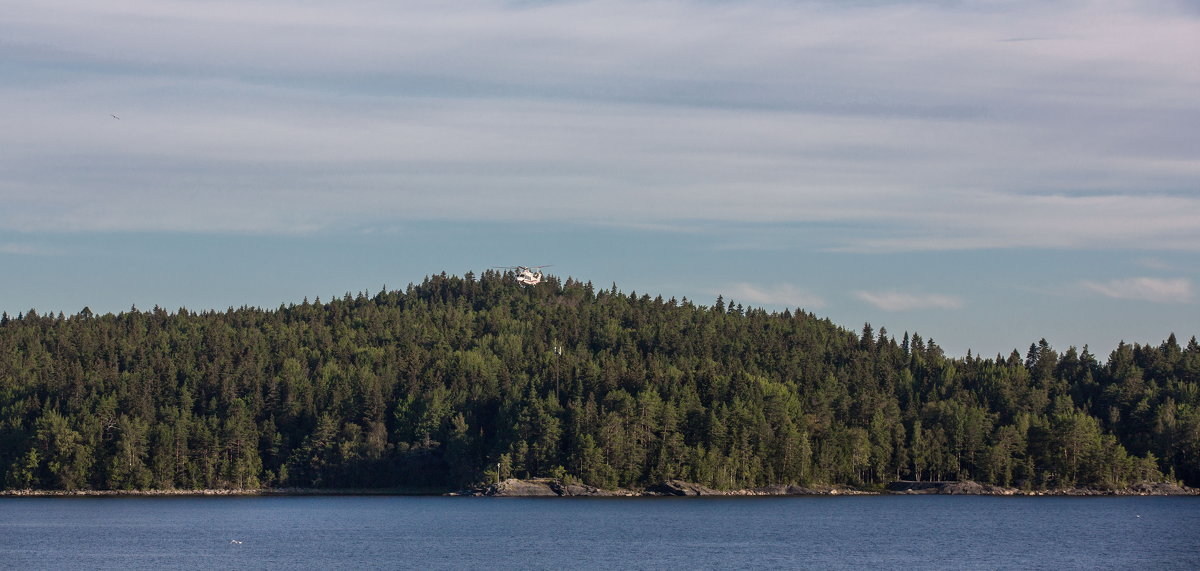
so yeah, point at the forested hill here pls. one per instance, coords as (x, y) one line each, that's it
(447, 382)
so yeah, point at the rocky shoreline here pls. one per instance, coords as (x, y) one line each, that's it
(977, 489)
(554, 488)
(546, 487)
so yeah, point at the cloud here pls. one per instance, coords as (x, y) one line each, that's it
(897, 301)
(910, 126)
(25, 249)
(781, 294)
(1157, 290)
(1154, 263)
(988, 220)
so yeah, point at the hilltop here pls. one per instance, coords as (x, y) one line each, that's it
(460, 381)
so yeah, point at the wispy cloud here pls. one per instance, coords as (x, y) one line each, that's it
(780, 294)
(24, 249)
(1154, 263)
(897, 301)
(990, 219)
(1158, 290)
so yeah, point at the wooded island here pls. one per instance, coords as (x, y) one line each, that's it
(461, 381)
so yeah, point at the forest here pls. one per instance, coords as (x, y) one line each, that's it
(457, 381)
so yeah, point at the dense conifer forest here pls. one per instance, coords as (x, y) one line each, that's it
(446, 383)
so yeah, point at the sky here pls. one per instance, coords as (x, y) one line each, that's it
(986, 174)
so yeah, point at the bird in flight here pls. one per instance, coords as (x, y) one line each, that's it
(114, 116)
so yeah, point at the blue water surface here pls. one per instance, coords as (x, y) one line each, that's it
(395, 532)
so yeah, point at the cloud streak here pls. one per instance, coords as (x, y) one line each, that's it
(779, 295)
(25, 249)
(1157, 290)
(898, 301)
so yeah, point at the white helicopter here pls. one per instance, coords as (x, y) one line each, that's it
(528, 275)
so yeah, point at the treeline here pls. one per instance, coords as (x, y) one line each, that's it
(461, 380)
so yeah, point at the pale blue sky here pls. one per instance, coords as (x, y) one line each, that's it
(985, 173)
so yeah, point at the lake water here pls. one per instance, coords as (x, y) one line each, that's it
(390, 532)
